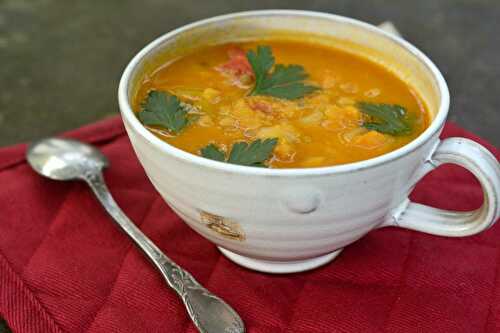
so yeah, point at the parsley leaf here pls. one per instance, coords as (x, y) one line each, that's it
(387, 118)
(165, 110)
(242, 153)
(213, 152)
(285, 81)
(254, 154)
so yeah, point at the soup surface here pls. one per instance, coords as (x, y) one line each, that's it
(279, 104)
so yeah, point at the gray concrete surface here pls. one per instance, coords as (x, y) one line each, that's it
(60, 61)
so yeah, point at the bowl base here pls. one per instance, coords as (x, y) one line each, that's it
(280, 267)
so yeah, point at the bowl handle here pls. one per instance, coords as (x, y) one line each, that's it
(483, 165)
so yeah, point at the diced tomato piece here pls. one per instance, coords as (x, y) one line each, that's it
(238, 64)
(236, 52)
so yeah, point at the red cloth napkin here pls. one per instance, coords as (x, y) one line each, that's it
(65, 267)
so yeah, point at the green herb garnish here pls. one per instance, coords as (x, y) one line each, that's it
(386, 118)
(285, 81)
(242, 153)
(213, 152)
(165, 110)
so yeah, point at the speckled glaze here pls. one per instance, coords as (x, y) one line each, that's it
(290, 220)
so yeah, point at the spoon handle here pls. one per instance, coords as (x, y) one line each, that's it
(198, 301)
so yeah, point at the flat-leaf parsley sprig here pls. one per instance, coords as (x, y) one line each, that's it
(164, 109)
(243, 153)
(284, 81)
(390, 119)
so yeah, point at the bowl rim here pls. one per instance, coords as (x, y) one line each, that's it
(129, 117)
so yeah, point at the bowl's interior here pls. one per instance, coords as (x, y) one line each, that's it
(339, 32)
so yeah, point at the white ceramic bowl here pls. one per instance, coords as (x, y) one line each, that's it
(290, 220)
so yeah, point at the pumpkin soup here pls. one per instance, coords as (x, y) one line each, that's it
(279, 104)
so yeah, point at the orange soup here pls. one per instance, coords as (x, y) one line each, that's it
(279, 104)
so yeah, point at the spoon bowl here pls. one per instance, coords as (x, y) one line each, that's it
(64, 159)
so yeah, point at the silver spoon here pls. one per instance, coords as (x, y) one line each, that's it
(62, 159)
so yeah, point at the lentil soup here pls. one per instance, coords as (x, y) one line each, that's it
(279, 104)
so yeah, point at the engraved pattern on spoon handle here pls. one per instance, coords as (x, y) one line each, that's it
(198, 300)
(193, 295)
